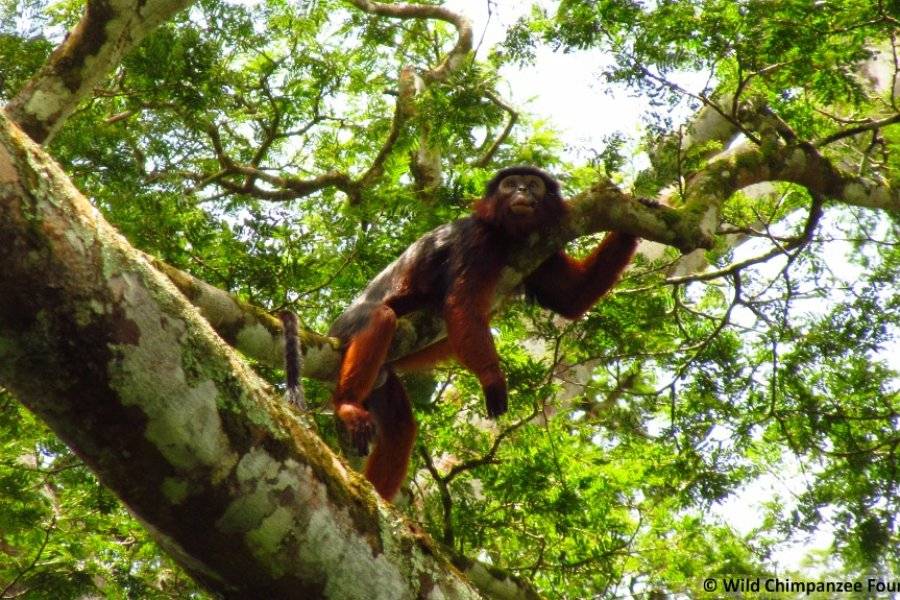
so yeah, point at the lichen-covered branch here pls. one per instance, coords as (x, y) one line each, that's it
(102, 347)
(258, 334)
(250, 329)
(605, 207)
(108, 29)
(776, 160)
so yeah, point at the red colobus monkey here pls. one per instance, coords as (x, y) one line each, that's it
(454, 270)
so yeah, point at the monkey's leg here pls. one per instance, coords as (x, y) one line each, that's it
(360, 366)
(395, 434)
(425, 358)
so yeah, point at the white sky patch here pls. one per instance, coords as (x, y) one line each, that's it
(565, 89)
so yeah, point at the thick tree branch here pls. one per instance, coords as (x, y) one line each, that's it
(102, 347)
(425, 165)
(400, 10)
(604, 207)
(601, 208)
(795, 162)
(108, 29)
(252, 330)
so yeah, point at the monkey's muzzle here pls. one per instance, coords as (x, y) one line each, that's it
(521, 205)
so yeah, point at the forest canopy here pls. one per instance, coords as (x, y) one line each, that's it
(174, 173)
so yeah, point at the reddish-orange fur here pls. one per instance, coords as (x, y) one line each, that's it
(362, 361)
(455, 269)
(571, 287)
(396, 433)
(467, 312)
(425, 358)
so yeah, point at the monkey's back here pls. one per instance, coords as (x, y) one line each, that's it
(418, 278)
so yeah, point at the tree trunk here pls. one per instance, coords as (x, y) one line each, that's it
(106, 351)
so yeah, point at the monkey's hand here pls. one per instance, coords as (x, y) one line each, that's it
(495, 398)
(359, 426)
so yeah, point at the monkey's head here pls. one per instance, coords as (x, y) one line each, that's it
(519, 200)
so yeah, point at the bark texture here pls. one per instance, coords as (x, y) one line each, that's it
(94, 47)
(106, 351)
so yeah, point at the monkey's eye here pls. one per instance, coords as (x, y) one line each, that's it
(536, 185)
(509, 183)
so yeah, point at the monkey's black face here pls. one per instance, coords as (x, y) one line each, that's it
(522, 193)
(520, 200)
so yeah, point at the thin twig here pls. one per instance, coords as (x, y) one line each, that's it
(48, 530)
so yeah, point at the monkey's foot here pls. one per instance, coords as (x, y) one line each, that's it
(359, 425)
(495, 398)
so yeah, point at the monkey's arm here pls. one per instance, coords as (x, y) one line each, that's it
(467, 313)
(571, 287)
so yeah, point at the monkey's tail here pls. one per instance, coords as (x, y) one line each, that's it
(293, 359)
(395, 435)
